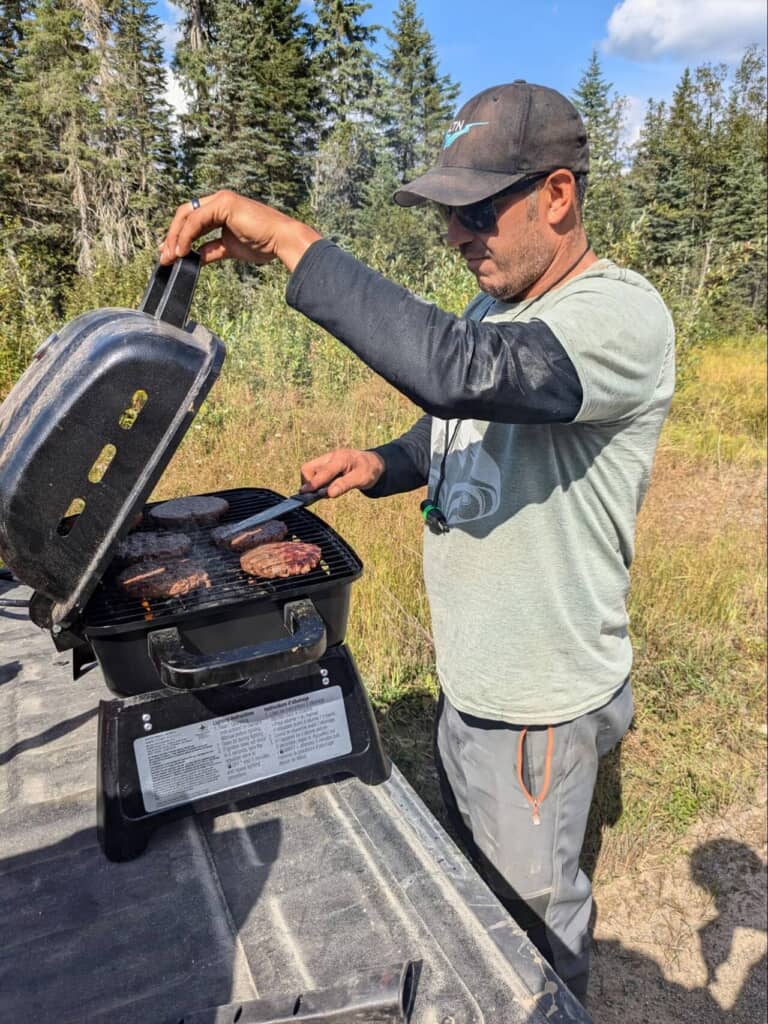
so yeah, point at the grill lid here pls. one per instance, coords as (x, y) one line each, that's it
(88, 429)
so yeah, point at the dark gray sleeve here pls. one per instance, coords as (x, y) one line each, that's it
(406, 461)
(451, 367)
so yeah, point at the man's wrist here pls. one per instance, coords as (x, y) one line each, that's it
(292, 240)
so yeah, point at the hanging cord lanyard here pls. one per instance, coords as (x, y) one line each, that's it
(430, 508)
(431, 512)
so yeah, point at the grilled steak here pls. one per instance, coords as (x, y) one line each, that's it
(139, 547)
(198, 510)
(289, 558)
(154, 579)
(265, 533)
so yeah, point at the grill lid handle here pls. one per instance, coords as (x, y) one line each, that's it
(182, 669)
(169, 292)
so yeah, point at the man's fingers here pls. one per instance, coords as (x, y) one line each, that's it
(169, 243)
(187, 225)
(212, 251)
(340, 471)
(319, 472)
(211, 214)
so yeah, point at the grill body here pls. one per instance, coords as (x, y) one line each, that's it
(236, 615)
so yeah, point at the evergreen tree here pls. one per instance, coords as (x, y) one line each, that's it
(417, 101)
(192, 64)
(347, 148)
(13, 124)
(263, 96)
(606, 209)
(140, 151)
(343, 59)
(48, 121)
(11, 29)
(740, 214)
(666, 179)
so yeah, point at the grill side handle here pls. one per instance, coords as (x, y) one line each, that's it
(182, 669)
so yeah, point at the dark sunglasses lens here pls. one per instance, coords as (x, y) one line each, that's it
(475, 217)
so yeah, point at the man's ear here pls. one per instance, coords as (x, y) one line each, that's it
(560, 197)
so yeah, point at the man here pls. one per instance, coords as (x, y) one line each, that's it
(543, 407)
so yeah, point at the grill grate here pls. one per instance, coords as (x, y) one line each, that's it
(110, 607)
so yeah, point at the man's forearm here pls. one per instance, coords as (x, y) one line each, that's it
(406, 461)
(510, 372)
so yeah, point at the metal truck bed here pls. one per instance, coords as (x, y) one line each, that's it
(274, 899)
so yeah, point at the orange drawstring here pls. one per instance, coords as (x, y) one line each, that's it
(538, 800)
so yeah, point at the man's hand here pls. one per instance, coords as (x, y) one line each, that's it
(250, 231)
(345, 467)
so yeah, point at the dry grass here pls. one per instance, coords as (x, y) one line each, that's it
(719, 412)
(697, 601)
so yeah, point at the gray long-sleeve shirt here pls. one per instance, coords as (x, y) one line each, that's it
(450, 366)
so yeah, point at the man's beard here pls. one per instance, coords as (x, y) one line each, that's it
(523, 269)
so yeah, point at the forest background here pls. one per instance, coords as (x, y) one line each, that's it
(324, 117)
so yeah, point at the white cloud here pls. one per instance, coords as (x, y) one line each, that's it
(719, 29)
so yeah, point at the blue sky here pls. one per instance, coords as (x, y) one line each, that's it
(643, 45)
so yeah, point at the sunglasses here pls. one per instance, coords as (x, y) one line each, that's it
(481, 216)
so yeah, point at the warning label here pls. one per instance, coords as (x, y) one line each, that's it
(210, 757)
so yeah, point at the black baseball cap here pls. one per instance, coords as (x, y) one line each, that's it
(502, 135)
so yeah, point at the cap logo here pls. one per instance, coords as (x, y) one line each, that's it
(459, 128)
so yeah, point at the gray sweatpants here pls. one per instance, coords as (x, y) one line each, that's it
(533, 868)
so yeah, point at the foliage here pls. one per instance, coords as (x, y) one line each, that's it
(343, 60)
(28, 313)
(417, 100)
(297, 110)
(606, 210)
(262, 96)
(699, 181)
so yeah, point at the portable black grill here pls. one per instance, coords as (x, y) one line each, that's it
(236, 690)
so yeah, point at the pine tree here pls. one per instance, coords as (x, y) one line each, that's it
(740, 214)
(11, 30)
(417, 101)
(263, 102)
(343, 59)
(347, 148)
(13, 125)
(49, 118)
(142, 162)
(670, 194)
(606, 213)
(192, 64)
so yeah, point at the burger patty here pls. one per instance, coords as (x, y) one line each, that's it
(289, 558)
(265, 533)
(155, 579)
(139, 547)
(202, 510)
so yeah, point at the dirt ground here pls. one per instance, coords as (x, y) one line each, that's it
(682, 940)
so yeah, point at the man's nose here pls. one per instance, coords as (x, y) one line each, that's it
(456, 234)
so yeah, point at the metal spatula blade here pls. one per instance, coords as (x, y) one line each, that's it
(226, 533)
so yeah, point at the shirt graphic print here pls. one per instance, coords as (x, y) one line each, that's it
(472, 486)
